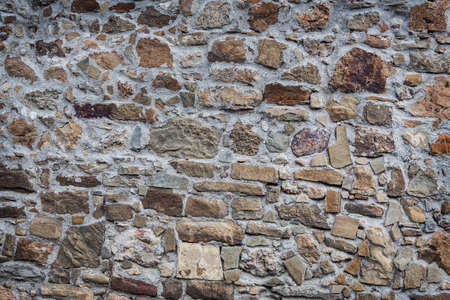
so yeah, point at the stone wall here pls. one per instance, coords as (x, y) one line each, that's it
(224, 149)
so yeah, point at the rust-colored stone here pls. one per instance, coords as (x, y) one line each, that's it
(429, 16)
(442, 144)
(276, 93)
(262, 15)
(436, 102)
(153, 53)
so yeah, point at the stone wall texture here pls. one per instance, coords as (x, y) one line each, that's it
(224, 149)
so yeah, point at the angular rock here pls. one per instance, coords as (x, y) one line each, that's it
(296, 268)
(359, 70)
(17, 271)
(314, 18)
(287, 114)
(183, 137)
(153, 18)
(163, 200)
(308, 73)
(224, 186)
(46, 227)
(230, 98)
(254, 172)
(230, 257)
(340, 245)
(29, 250)
(80, 181)
(339, 153)
(133, 286)
(107, 60)
(373, 273)
(353, 266)
(416, 138)
(117, 25)
(412, 209)
(194, 169)
(393, 215)
(442, 145)
(377, 237)
(230, 49)
(24, 133)
(276, 93)
(245, 141)
(422, 184)
(277, 142)
(323, 47)
(364, 183)
(153, 53)
(6, 294)
(66, 202)
(98, 110)
(267, 230)
(371, 143)
(333, 201)
(437, 249)
(209, 290)
(215, 14)
(327, 176)
(346, 110)
(262, 15)
(248, 76)
(169, 181)
(206, 207)
(270, 53)
(414, 276)
(47, 99)
(362, 22)
(429, 63)
(68, 135)
(84, 6)
(118, 212)
(367, 210)
(403, 258)
(345, 227)
(12, 212)
(173, 289)
(246, 208)
(429, 16)
(166, 81)
(205, 231)
(15, 67)
(50, 49)
(193, 38)
(308, 141)
(196, 261)
(66, 291)
(307, 248)
(308, 215)
(436, 100)
(378, 114)
(56, 73)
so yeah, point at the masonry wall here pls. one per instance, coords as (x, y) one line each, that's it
(192, 149)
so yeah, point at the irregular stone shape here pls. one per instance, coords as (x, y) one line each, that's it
(193, 38)
(153, 18)
(166, 81)
(373, 273)
(339, 153)
(253, 172)
(437, 249)
(364, 209)
(442, 145)
(6, 294)
(235, 74)
(296, 268)
(9, 245)
(308, 141)
(194, 169)
(17, 271)
(364, 183)
(414, 276)
(436, 100)
(65, 202)
(117, 25)
(169, 181)
(215, 14)
(128, 112)
(287, 114)
(24, 133)
(206, 207)
(56, 73)
(81, 181)
(230, 98)
(246, 208)
(308, 73)
(371, 143)
(260, 262)
(12, 212)
(230, 257)
(378, 114)
(133, 286)
(66, 291)
(107, 60)
(47, 99)
(183, 137)
(307, 248)
(267, 230)
(84, 6)
(362, 22)
(277, 142)
(346, 110)
(123, 7)
(327, 176)
(50, 49)
(416, 138)
(118, 212)
(323, 47)
(422, 184)
(306, 291)
(276, 93)
(81, 247)
(29, 250)
(403, 258)
(172, 289)
(223, 186)
(333, 201)
(345, 227)
(396, 186)
(340, 245)
(308, 215)
(434, 274)
(245, 141)
(68, 135)
(393, 215)
(429, 16)
(205, 231)
(353, 266)
(314, 18)
(230, 49)
(262, 15)
(16, 180)
(98, 110)
(163, 200)
(441, 296)
(377, 237)
(429, 63)
(380, 41)
(153, 53)
(270, 53)
(196, 261)
(46, 227)
(359, 70)
(209, 290)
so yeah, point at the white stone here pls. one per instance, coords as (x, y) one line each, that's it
(196, 261)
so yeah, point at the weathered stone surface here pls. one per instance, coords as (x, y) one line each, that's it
(229, 50)
(412, 209)
(373, 273)
(29, 250)
(116, 24)
(66, 202)
(340, 245)
(436, 100)
(429, 16)
(429, 63)
(246, 208)
(287, 114)
(276, 93)
(84, 6)
(339, 153)
(353, 266)
(46, 227)
(163, 200)
(107, 60)
(345, 227)
(230, 98)
(153, 18)
(262, 15)
(362, 22)
(46, 99)
(50, 49)
(166, 81)
(267, 230)
(359, 70)
(66, 291)
(403, 258)
(215, 14)
(56, 73)
(224, 186)
(133, 286)
(206, 207)
(183, 137)
(442, 145)
(153, 53)
(296, 268)
(308, 73)
(15, 180)
(230, 257)
(314, 18)
(416, 138)
(15, 67)
(378, 114)
(209, 290)
(13, 270)
(6, 293)
(371, 143)
(346, 109)
(308, 215)
(333, 201)
(12, 212)
(252, 172)
(81, 247)
(422, 184)
(327, 176)
(248, 76)
(270, 53)
(118, 212)
(24, 133)
(307, 248)
(205, 231)
(414, 276)
(364, 209)
(437, 249)
(68, 135)
(260, 262)
(364, 183)
(308, 141)
(245, 141)
(172, 289)
(194, 169)
(196, 261)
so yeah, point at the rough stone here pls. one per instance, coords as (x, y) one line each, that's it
(327, 176)
(223, 186)
(412, 209)
(107, 60)
(270, 53)
(209, 290)
(253, 172)
(196, 261)
(245, 141)
(85, 6)
(308, 141)
(367, 210)
(308, 73)
(153, 18)
(267, 230)
(314, 18)
(215, 14)
(393, 215)
(66, 291)
(206, 207)
(429, 16)
(163, 200)
(414, 276)
(32, 251)
(260, 262)
(403, 258)
(153, 53)
(371, 143)
(435, 102)
(307, 248)
(24, 133)
(442, 145)
(13, 270)
(68, 135)
(172, 289)
(69, 201)
(362, 22)
(230, 98)
(133, 286)
(296, 268)
(15, 67)
(333, 201)
(345, 227)
(287, 114)
(276, 93)
(437, 249)
(422, 184)
(308, 215)
(246, 208)
(262, 15)
(118, 212)
(117, 25)
(205, 231)
(378, 114)
(46, 227)
(229, 50)
(429, 63)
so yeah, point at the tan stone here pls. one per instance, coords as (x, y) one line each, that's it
(429, 16)
(107, 60)
(230, 49)
(24, 133)
(153, 53)
(345, 227)
(328, 176)
(247, 208)
(353, 266)
(307, 248)
(267, 230)
(46, 227)
(364, 183)
(225, 186)
(252, 172)
(66, 290)
(333, 201)
(196, 261)
(68, 135)
(230, 98)
(412, 209)
(414, 276)
(204, 231)
(56, 73)
(296, 268)
(206, 207)
(270, 53)
(29, 250)
(287, 114)
(413, 79)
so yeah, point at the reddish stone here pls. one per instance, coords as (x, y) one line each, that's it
(122, 7)
(437, 249)
(98, 110)
(314, 18)
(308, 141)
(276, 93)
(153, 53)
(262, 15)
(163, 200)
(32, 251)
(429, 16)
(85, 6)
(50, 49)
(133, 286)
(371, 143)
(442, 144)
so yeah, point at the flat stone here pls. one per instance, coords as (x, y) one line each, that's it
(339, 153)
(133, 286)
(276, 93)
(377, 236)
(429, 16)
(307, 248)
(287, 114)
(15, 67)
(378, 114)
(346, 109)
(345, 227)
(164, 201)
(422, 184)
(308, 73)
(153, 18)
(367, 210)
(209, 290)
(308, 215)
(193, 38)
(340, 245)
(84, 6)
(364, 183)
(246, 208)
(403, 258)
(277, 142)
(66, 291)
(267, 230)
(215, 14)
(394, 214)
(262, 15)
(434, 274)
(96, 278)
(314, 18)
(172, 289)
(55, 73)
(308, 141)
(373, 273)
(196, 261)
(46, 99)
(353, 266)
(80, 181)
(249, 76)
(116, 24)
(362, 22)
(414, 276)
(153, 53)
(377, 165)
(437, 249)
(230, 49)
(204, 231)
(169, 181)
(333, 201)
(296, 268)
(412, 209)
(230, 98)
(68, 135)
(224, 186)
(270, 53)
(66, 202)
(29, 250)
(254, 172)
(327, 176)
(230, 257)
(15, 180)
(12, 212)
(206, 207)
(118, 212)
(183, 137)
(6, 293)
(19, 271)
(46, 227)
(429, 63)
(24, 134)
(371, 143)
(435, 103)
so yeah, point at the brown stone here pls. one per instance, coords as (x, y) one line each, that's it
(327, 176)
(371, 143)
(24, 133)
(15, 180)
(364, 183)
(226, 186)
(128, 112)
(359, 70)
(345, 227)
(163, 200)
(346, 110)
(68, 135)
(116, 24)
(206, 207)
(314, 18)
(412, 209)
(80, 181)
(323, 47)
(310, 140)
(270, 53)
(235, 74)
(437, 249)
(308, 215)
(209, 290)
(153, 53)
(442, 145)
(276, 93)
(12, 212)
(46, 227)
(287, 114)
(107, 60)
(333, 201)
(296, 269)
(9, 245)
(353, 266)
(133, 286)
(253, 172)
(339, 153)
(429, 16)
(197, 261)
(413, 79)
(245, 141)
(378, 114)
(380, 41)
(367, 210)
(230, 49)
(6, 294)
(194, 169)
(441, 296)
(65, 202)
(307, 248)
(118, 212)
(414, 275)
(193, 38)
(84, 6)
(153, 18)
(66, 291)
(262, 15)
(308, 73)
(246, 208)
(32, 251)
(186, 6)
(56, 73)
(396, 186)
(267, 230)
(98, 110)
(166, 81)
(230, 97)
(204, 231)
(123, 7)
